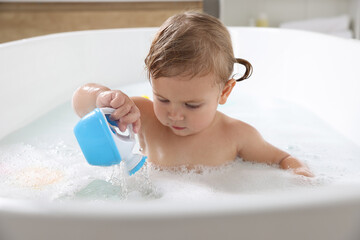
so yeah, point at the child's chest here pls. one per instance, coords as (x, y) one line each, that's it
(167, 150)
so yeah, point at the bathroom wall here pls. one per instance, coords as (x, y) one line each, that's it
(245, 12)
(355, 13)
(211, 7)
(27, 18)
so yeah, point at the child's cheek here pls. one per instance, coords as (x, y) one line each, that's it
(160, 113)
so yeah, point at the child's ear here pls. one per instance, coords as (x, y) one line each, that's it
(227, 90)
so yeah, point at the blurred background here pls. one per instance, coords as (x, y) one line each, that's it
(28, 18)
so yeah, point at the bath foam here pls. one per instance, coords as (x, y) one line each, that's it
(38, 177)
(43, 160)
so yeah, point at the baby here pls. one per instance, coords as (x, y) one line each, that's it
(189, 65)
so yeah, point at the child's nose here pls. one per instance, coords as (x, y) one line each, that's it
(175, 115)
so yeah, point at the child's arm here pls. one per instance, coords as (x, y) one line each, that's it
(296, 165)
(254, 148)
(84, 98)
(92, 95)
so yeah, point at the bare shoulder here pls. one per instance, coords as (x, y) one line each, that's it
(241, 133)
(146, 108)
(238, 127)
(251, 146)
(145, 105)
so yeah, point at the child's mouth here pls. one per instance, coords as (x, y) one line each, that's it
(178, 128)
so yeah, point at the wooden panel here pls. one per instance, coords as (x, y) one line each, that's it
(23, 20)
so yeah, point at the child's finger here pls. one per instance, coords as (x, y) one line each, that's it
(130, 118)
(103, 100)
(121, 112)
(304, 172)
(118, 99)
(136, 126)
(122, 126)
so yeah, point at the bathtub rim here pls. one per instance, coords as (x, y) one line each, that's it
(154, 29)
(320, 197)
(74, 33)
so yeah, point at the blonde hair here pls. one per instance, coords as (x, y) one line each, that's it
(193, 44)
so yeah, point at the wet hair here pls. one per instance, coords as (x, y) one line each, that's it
(193, 44)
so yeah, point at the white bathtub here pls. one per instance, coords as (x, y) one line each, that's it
(319, 72)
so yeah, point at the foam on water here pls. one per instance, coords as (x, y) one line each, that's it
(43, 160)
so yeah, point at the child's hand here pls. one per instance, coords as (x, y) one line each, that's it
(296, 166)
(304, 171)
(126, 112)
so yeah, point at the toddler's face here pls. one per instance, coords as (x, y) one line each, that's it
(187, 106)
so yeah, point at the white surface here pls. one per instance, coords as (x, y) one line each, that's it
(323, 25)
(313, 70)
(337, 26)
(55, 59)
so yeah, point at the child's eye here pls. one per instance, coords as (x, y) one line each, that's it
(192, 106)
(163, 100)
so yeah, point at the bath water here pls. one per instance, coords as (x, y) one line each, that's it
(44, 161)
